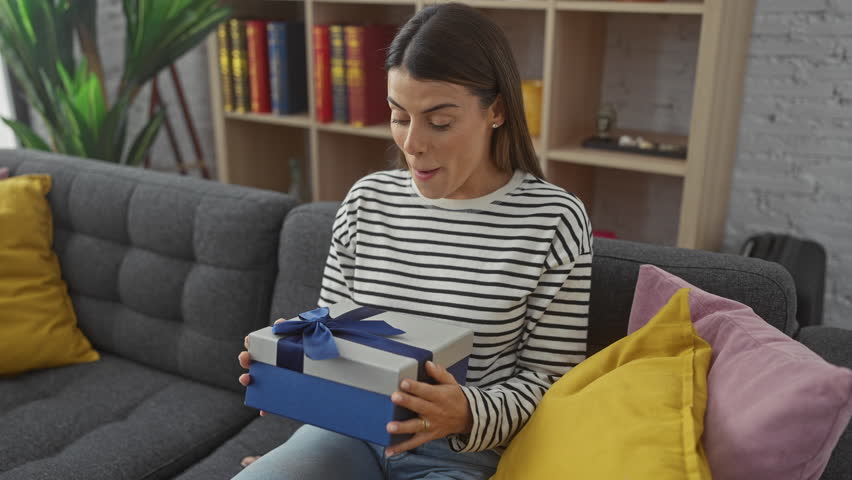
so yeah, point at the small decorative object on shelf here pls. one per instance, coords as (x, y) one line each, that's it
(607, 117)
(636, 144)
(627, 141)
(645, 144)
(668, 147)
(606, 140)
(295, 179)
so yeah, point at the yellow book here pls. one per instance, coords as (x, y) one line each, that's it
(225, 67)
(239, 66)
(531, 90)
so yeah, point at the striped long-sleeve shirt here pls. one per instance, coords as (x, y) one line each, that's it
(514, 266)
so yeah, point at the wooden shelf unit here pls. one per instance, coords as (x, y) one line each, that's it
(561, 42)
(674, 8)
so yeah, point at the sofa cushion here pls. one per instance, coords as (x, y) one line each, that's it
(169, 271)
(38, 327)
(765, 286)
(303, 249)
(257, 438)
(111, 419)
(633, 410)
(775, 408)
(834, 345)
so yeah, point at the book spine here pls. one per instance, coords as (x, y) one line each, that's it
(375, 41)
(338, 74)
(239, 67)
(355, 76)
(277, 71)
(297, 67)
(322, 73)
(531, 91)
(258, 62)
(225, 67)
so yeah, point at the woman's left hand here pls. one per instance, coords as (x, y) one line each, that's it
(443, 409)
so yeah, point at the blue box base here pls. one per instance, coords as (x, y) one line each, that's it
(340, 408)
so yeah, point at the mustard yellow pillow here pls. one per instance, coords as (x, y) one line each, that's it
(38, 327)
(632, 411)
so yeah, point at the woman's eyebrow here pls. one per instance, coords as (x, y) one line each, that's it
(428, 110)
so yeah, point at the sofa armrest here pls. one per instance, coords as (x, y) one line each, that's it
(835, 346)
(305, 240)
(832, 344)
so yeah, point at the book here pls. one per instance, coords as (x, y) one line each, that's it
(288, 85)
(531, 90)
(322, 73)
(239, 66)
(224, 46)
(339, 100)
(258, 65)
(365, 74)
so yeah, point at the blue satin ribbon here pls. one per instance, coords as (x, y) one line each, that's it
(313, 335)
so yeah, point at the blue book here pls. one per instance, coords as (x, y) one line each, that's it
(288, 82)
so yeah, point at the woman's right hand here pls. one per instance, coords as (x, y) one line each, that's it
(245, 362)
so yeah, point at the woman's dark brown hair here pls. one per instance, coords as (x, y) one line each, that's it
(454, 43)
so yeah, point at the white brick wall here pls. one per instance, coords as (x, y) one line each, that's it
(650, 70)
(794, 166)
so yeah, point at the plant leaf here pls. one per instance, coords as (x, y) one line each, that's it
(28, 137)
(113, 132)
(145, 139)
(162, 33)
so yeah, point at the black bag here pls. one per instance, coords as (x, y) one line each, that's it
(805, 260)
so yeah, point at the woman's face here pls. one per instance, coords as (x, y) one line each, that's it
(445, 136)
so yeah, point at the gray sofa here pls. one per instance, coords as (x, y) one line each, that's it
(167, 274)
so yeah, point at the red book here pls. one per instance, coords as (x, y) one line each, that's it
(258, 60)
(365, 73)
(322, 74)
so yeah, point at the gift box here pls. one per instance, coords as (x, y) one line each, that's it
(336, 367)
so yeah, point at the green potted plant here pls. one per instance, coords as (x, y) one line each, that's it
(37, 42)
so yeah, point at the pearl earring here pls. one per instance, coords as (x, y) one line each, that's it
(494, 125)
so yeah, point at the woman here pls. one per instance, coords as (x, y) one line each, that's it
(467, 231)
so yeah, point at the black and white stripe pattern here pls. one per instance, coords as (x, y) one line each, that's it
(514, 266)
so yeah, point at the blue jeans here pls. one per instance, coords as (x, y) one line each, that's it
(316, 454)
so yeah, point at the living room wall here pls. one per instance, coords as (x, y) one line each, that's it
(794, 166)
(794, 163)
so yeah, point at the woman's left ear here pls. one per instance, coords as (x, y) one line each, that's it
(496, 112)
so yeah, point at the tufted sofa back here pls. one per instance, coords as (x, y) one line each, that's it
(167, 271)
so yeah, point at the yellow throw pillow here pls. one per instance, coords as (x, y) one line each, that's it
(38, 327)
(632, 411)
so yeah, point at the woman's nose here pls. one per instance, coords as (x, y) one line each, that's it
(415, 143)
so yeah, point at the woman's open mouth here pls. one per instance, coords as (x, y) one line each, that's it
(425, 174)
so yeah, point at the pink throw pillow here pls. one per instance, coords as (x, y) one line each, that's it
(4, 173)
(775, 409)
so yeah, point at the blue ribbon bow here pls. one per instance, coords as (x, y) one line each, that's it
(313, 335)
(317, 329)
